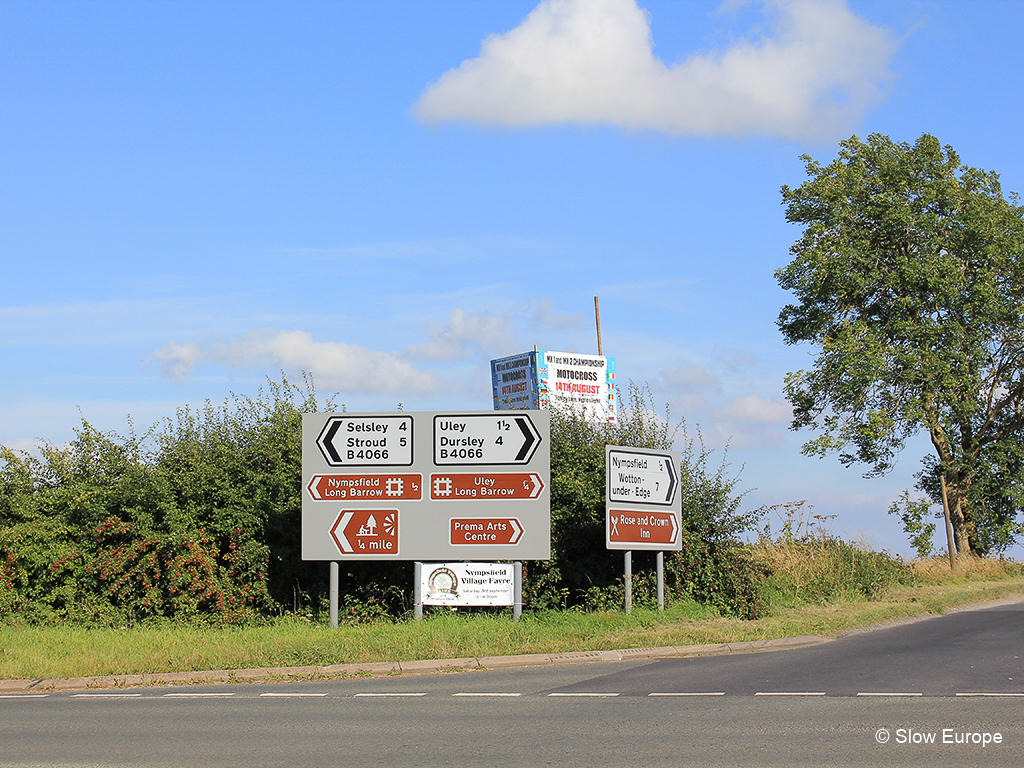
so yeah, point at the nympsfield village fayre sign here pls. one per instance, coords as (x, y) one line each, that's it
(466, 584)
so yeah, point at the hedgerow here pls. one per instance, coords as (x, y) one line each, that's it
(199, 520)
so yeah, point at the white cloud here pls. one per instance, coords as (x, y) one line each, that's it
(750, 421)
(480, 334)
(592, 61)
(355, 368)
(733, 360)
(540, 315)
(463, 335)
(688, 386)
(335, 365)
(178, 360)
(770, 410)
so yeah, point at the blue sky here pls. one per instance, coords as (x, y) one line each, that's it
(195, 196)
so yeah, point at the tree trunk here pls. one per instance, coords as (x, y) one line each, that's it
(959, 511)
(949, 524)
(958, 484)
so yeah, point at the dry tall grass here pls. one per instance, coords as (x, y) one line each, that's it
(808, 565)
(936, 570)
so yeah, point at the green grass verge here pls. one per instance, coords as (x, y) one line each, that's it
(52, 652)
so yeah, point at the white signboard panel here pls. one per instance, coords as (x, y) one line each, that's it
(640, 476)
(361, 441)
(484, 438)
(426, 486)
(468, 584)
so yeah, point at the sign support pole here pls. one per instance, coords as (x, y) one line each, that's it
(417, 590)
(517, 607)
(333, 587)
(661, 580)
(629, 581)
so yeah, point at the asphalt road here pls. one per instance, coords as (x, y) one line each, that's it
(943, 691)
(971, 652)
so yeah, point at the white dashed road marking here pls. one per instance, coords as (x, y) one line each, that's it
(500, 694)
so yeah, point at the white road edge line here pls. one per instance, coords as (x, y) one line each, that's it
(486, 694)
(1008, 695)
(889, 693)
(292, 695)
(197, 695)
(385, 695)
(790, 693)
(105, 695)
(592, 695)
(689, 693)
(23, 695)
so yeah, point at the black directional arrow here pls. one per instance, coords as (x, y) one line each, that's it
(672, 481)
(526, 427)
(326, 441)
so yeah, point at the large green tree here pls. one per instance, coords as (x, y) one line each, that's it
(909, 279)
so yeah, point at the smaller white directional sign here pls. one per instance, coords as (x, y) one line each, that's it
(353, 441)
(643, 505)
(641, 477)
(463, 439)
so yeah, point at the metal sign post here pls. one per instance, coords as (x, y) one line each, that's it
(417, 590)
(628, 565)
(333, 590)
(661, 581)
(517, 608)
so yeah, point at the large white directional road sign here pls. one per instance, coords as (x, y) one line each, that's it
(426, 486)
